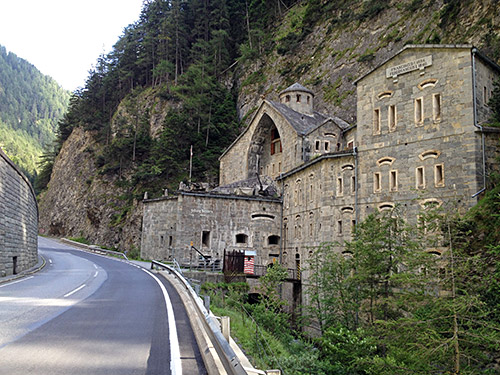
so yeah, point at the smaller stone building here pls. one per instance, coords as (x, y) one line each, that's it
(18, 220)
(213, 222)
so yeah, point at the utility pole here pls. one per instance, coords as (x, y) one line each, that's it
(190, 162)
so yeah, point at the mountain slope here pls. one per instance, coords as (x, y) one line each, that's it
(30, 106)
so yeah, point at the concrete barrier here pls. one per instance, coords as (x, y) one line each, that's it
(220, 355)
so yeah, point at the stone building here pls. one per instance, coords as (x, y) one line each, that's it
(419, 139)
(18, 220)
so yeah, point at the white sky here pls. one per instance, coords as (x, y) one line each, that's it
(64, 38)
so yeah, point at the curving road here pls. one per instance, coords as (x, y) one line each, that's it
(89, 314)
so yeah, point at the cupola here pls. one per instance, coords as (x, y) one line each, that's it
(298, 98)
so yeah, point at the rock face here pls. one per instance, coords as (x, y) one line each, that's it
(81, 203)
(345, 47)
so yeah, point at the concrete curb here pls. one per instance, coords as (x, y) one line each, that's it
(208, 352)
(39, 266)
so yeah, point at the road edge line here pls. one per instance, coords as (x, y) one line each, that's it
(175, 353)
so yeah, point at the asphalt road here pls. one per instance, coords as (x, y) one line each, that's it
(89, 314)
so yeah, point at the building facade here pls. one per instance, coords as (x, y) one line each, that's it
(420, 139)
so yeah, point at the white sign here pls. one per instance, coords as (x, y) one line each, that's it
(201, 211)
(410, 66)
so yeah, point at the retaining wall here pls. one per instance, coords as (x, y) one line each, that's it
(18, 220)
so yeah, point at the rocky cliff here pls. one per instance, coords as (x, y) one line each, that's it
(354, 38)
(350, 39)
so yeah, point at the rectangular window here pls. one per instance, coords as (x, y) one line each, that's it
(205, 238)
(376, 121)
(420, 177)
(419, 111)
(311, 193)
(485, 95)
(339, 227)
(436, 107)
(340, 186)
(391, 118)
(377, 183)
(170, 241)
(393, 180)
(439, 175)
(353, 184)
(317, 145)
(350, 145)
(327, 146)
(353, 225)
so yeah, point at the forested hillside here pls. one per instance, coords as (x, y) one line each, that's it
(31, 104)
(189, 73)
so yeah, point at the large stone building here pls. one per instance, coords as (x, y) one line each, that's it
(419, 139)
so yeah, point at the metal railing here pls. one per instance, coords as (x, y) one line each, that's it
(292, 273)
(94, 248)
(232, 363)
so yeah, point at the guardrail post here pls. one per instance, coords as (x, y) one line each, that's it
(226, 328)
(206, 302)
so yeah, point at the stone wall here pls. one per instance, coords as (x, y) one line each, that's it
(18, 220)
(213, 223)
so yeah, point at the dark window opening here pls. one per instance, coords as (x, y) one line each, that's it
(241, 238)
(262, 216)
(205, 238)
(273, 240)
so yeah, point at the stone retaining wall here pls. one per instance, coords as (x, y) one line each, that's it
(18, 220)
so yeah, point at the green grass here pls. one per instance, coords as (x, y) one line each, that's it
(258, 345)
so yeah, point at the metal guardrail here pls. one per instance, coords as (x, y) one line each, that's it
(94, 248)
(229, 358)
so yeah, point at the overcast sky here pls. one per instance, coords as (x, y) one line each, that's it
(64, 38)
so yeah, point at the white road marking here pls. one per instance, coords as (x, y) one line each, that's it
(74, 291)
(18, 281)
(96, 273)
(175, 353)
(50, 261)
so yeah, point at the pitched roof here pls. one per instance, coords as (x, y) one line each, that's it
(302, 123)
(432, 46)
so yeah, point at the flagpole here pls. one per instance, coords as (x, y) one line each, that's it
(190, 162)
